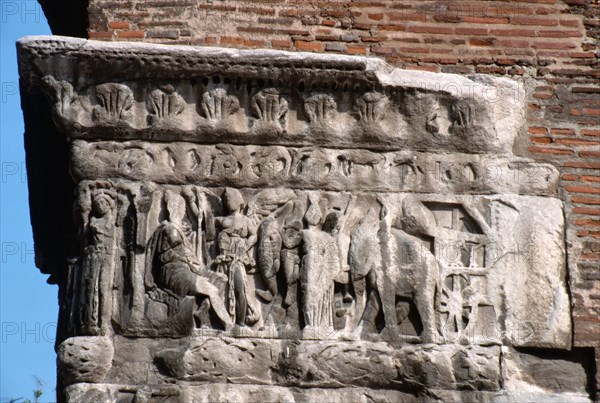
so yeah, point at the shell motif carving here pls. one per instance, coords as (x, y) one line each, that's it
(60, 94)
(217, 105)
(164, 105)
(319, 108)
(269, 106)
(371, 107)
(114, 103)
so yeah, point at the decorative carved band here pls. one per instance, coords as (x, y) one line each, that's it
(310, 168)
(237, 97)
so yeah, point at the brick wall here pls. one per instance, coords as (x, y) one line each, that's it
(550, 45)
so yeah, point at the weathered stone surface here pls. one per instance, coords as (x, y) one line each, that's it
(367, 103)
(311, 168)
(84, 359)
(333, 364)
(541, 370)
(252, 393)
(261, 225)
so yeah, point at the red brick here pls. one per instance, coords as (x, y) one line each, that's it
(421, 17)
(576, 142)
(546, 150)
(412, 50)
(383, 50)
(580, 164)
(585, 200)
(118, 25)
(513, 32)
(281, 43)
(559, 34)
(589, 153)
(231, 40)
(481, 41)
(590, 178)
(131, 34)
(328, 23)
(533, 21)
(587, 223)
(553, 45)
(595, 234)
(569, 23)
(356, 50)
(100, 35)
(586, 210)
(253, 43)
(376, 17)
(541, 140)
(562, 132)
(470, 31)
(429, 29)
(512, 43)
(392, 27)
(569, 177)
(583, 189)
(537, 130)
(309, 46)
(590, 132)
(590, 111)
(486, 20)
(374, 39)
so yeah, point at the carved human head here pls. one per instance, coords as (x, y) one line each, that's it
(332, 222)
(292, 234)
(102, 202)
(234, 201)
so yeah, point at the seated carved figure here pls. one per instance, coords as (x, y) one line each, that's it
(175, 269)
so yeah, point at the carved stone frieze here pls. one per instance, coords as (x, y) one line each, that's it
(276, 225)
(311, 168)
(288, 263)
(354, 103)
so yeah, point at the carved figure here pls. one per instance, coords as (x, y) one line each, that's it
(234, 244)
(269, 261)
(417, 267)
(290, 261)
(96, 267)
(410, 274)
(172, 265)
(320, 267)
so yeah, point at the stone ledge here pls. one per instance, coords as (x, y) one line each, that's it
(126, 91)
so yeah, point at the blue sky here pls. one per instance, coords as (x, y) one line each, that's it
(28, 305)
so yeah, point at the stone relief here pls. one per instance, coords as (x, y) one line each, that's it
(217, 105)
(279, 263)
(114, 104)
(391, 119)
(164, 105)
(311, 168)
(249, 224)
